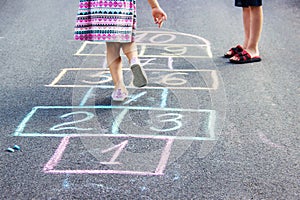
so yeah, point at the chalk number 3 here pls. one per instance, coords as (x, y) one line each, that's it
(166, 118)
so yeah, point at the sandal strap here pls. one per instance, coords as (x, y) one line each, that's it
(244, 55)
(235, 50)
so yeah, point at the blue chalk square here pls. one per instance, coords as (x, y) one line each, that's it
(175, 123)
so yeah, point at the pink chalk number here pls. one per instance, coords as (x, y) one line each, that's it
(119, 148)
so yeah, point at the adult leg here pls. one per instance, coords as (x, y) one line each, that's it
(256, 23)
(247, 27)
(246, 23)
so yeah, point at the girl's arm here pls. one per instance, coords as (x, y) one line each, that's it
(153, 3)
(158, 14)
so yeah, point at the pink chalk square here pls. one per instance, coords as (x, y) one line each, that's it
(110, 154)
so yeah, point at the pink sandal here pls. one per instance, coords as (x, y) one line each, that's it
(245, 57)
(233, 51)
(118, 95)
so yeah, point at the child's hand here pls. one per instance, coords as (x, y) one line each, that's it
(159, 16)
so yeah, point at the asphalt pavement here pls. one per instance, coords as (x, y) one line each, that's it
(203, 128)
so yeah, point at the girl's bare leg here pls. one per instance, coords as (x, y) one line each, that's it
(139, 76)
(114, 62)
(130, 50)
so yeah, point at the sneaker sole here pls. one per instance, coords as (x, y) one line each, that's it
(119, 99)
(139, 76)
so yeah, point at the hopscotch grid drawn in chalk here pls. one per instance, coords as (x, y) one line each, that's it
(167, 45)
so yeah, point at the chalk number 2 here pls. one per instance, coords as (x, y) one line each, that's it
(70, 125)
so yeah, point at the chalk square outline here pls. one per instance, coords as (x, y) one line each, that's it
(141, 55)
(206, 44)
(56, 157)
(59, 77)
(211, 123)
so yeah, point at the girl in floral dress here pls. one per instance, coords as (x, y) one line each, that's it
(114, 22)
